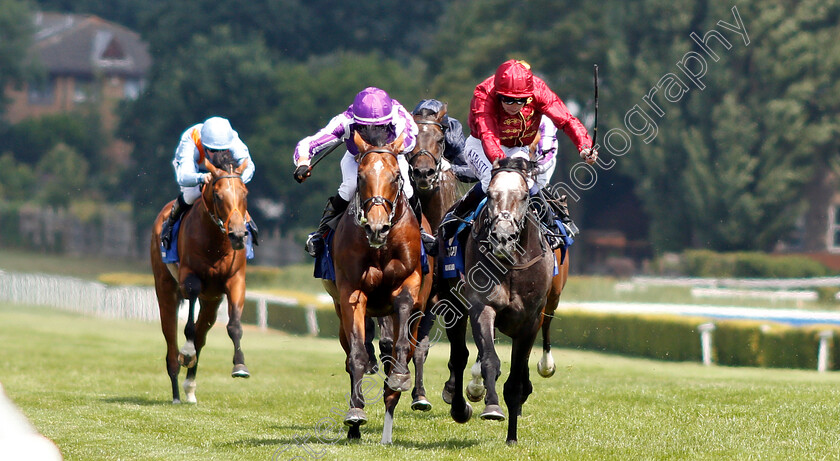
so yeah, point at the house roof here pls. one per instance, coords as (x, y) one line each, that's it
(88, 45)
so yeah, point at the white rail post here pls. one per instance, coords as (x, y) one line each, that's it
(262, 313)
(311, 320)
(822, 355)
(706, 341)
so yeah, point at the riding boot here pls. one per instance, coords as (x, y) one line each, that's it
(315, 241)
(545, 212)
(429, 241)
(460, 211)
(255, 231)
(178, 208)
(561, 207)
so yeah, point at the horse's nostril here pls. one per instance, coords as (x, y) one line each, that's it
(385, 229)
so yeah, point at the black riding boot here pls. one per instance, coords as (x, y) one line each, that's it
(545, 213)
(561, 208)
(429, 241)
(460, 211)
(178, 208)
(315, 242)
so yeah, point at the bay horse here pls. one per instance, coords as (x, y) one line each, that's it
(378, 273)
(436, 188)
(211, 248)
(510, 286)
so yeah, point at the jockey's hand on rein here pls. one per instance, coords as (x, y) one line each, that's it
(302, 172)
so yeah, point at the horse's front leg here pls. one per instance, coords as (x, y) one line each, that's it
(353, 309)
(206, 319)
(191, 288)
(235, 288)
(518, 385)
(421, 351)
(405, 330)
(482, 319)
(455, 322)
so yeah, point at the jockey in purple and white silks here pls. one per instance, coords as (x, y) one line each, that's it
(213, 137)
(375, 116)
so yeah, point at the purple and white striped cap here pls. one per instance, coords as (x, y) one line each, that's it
(372, 106)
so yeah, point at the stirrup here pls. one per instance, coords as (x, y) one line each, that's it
(314, 244)
(429, 243)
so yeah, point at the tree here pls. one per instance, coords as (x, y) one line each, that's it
(15, 37)
(62, 175)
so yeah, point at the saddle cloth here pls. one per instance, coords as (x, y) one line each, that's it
(171, 255)
(324, 268)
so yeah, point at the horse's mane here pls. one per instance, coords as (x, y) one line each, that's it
(224, 160)
(376, 135)
(517, 163)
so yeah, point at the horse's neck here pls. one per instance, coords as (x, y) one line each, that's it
(436, 203)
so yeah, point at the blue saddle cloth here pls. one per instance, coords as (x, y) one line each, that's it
(324, 268)
(452, 261)
(171, 255)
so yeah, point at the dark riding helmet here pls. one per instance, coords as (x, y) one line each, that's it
(514, 79)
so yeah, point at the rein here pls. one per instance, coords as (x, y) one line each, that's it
(214, 214)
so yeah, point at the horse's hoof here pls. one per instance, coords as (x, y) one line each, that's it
(446, 395)
(355, 417)
(421, 404)
(176, 401)
(240, 371)
(462, 418)
(475, 392)
(400, 382)
(545, 372)
(511, 442)
(493, 413)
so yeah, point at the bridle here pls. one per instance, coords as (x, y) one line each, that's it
(426, 152)
(214, 213)
(363, 207)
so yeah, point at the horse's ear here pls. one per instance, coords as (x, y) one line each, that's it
(241, 168)
(441, 113)
(361, 143)
(212, 169)
(397, 145)
(535, 144)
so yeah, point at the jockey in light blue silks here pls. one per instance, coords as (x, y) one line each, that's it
(372, 114)
(204, 140)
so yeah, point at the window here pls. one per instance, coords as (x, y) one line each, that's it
(834, 228)
(41, 93)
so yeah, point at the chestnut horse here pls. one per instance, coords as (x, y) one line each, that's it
(378, 272)
(509, 286)
(211, 248)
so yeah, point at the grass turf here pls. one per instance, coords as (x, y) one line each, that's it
(99, 390)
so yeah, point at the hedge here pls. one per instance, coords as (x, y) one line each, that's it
(662, 337)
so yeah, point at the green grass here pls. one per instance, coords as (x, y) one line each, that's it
(98, 389)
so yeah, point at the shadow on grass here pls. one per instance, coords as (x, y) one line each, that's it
(142, 401)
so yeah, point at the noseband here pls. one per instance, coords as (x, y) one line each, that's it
(365, 206)
(426, 152)
(214, 214)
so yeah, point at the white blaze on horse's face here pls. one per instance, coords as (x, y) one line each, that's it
(378, 167)
(508, 194)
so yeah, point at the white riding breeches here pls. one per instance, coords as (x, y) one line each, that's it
(350, 172)
(191, 194)
(482, 166)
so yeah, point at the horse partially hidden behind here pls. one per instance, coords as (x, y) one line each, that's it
(436, 188)
(211, 247)
(510, 286)
(378, 272)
